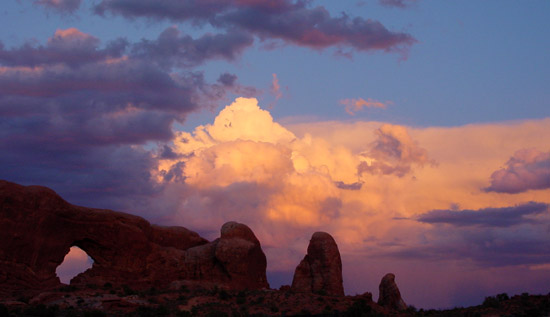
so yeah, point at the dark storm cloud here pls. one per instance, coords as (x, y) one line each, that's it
(75, 115)
(487, 217)
(172, 48)
(526, 169)
(292, 22)
(114, 176)
(227, 79)
(486, 249)
(69, 47)
(102, 97)
(61, 5)
(490, 237)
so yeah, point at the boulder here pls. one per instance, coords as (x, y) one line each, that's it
(390, 297)
(38, 227)
(321, 269)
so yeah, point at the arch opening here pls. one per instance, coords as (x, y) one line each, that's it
(75, 262)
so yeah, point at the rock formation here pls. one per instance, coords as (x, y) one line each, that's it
(390, 297)
(38, 227)
(321, 269)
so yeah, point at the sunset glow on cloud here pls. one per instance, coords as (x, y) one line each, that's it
(380, 189)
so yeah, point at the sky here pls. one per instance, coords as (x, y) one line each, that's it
(415, 132)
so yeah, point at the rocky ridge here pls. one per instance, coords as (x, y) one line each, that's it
(137, 264)
(37, 229)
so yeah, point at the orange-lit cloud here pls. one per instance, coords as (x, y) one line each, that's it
(367, 183)
(354, 105)
(394, 152)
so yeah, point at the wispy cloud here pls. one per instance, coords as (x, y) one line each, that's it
(397, 3)
(354, 105)
(276, 88)
(487, 217)
(63, 6)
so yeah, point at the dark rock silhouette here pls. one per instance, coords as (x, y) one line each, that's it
(38, 227)
(321, 269)
(390, 297)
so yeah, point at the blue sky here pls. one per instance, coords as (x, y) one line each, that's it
(472, 62)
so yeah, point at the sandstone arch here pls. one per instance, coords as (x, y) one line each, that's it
(38, 227)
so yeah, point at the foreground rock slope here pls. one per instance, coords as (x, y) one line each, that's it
(38, 227)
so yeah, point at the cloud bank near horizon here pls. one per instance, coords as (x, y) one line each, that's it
(364, 182)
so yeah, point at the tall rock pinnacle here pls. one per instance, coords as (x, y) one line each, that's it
(321, 269)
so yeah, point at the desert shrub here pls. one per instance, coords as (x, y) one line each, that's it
(216, 313)
(152, 292)
(127, 290)
(214, 291)
(502, 297)
(41, 310)
(107, 285)
(359, 308)
(68, 288)
(183, 313)
(223, 295)
(274, 308)
(491, 302)
(305, 312)
(241, 298)
(411, 309)
(144, 311)
(94, 313)
(4, 312)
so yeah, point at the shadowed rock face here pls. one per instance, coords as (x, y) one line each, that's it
(321, 269)
(390, 296)
(38, 227)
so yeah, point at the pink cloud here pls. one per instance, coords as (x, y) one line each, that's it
(393, 152)
(276, 88)
(527, 169)
(354, 105)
